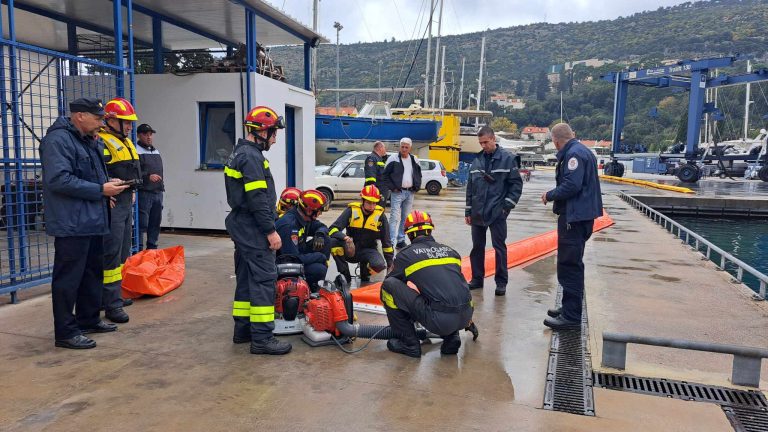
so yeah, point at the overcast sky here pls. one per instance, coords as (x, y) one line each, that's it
(376, 20)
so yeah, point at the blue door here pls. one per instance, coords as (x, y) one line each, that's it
(290, 146)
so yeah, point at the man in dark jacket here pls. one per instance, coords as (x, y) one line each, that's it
(374, 170)
(402, 175)
(493, 189)
(577, 202)
(251, 225)
(365, 224)
(306, 238)
(151, 189)
(442, 304)
(76, 193)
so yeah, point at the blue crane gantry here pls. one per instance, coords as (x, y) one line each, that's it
(691, 75)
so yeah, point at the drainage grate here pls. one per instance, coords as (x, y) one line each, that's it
(569, 372)
(747, 410)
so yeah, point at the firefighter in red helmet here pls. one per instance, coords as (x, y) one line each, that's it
(365, 224)
(305, 237)
(442, 304)
(289, 199)
(251, 225)
(122, 163)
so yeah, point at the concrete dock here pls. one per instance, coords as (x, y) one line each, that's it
(174, 367)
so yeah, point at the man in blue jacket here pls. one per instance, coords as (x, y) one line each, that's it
(75, 192)
(578, 202)
(493, 189)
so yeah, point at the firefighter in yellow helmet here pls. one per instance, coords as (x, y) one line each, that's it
(365, 224)
(251, 225)
(442, 304)
(122, 163)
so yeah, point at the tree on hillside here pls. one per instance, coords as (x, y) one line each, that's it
(503, 124)
(519, 88)
(542, 86)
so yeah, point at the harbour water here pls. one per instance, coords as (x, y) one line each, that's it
(746, 239)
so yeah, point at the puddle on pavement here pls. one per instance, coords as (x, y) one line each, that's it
(625, 267)
(665, 278)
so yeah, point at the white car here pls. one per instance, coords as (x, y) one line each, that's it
(345, 179)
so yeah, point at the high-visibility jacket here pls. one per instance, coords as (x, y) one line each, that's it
(250, 186)
(120, 156)
(364, 229)
(374, 169)
(435, 269)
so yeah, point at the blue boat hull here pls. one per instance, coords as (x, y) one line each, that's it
(357, 128)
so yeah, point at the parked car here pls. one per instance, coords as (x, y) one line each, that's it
(355, 155)
(344, 179)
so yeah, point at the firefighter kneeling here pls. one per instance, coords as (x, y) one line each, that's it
(365, 224)
(443, 304)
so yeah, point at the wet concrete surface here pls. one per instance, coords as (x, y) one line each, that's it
(173, 366)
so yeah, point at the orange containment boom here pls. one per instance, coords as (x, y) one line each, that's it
(520, 252)
(153, 272)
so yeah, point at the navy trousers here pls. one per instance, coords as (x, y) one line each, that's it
(76, 284)
(571, 239)
(477, 256)
(150, 216)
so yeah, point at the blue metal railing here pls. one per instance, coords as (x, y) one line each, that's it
(697, 242)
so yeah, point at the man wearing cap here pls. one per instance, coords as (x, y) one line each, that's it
(77, 192)
(151, 189)
(402, 176)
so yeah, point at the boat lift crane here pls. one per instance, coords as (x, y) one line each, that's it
(693, 76)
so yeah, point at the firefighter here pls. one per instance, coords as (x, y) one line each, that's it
(289, 199)
(122, 163)
(306, 238)
(365, 224)
(374, 169)
(251, 225)
(442, 304)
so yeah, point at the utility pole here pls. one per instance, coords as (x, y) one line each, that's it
(437, 50)
(315, 11)
(746, 104)
(338, 28)
(429, 50)
(461, 86)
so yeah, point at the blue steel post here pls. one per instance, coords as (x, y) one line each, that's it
(7, 156)
(619, 110)
(132, 99)
(72, 47)
(307, 67)
(695, 112)
(157, 45)
(251, 56)
(60, 89)
(117, 11)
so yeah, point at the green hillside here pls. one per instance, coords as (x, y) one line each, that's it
(518, 57)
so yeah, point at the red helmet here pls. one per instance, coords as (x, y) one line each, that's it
(312, 202)
(371, 193)
(289, 198)
(262, 118)
(418, 220)
(121, 109)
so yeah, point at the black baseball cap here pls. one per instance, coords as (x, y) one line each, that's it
(145, 128)
(89, 105)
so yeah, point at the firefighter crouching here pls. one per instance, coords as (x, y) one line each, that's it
(365, 224)
(251, 225)
(289, 199)
(122, 163)
(306, 238)
(443, 304)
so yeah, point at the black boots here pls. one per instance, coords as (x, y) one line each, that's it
(77, 342)
(116, 315)
(101, 327)
(554, 313)
(270, 346)
(451, 344)
(398, 346)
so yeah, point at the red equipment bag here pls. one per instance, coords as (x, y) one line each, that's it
(154, 272)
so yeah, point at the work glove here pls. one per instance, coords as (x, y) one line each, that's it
(318, 243)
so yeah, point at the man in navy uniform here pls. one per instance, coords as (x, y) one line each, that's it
(77, 193)
(578, 202)
(374, 170)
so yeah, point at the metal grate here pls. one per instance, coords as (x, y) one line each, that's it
(746, 419)
(747, 410)
(569, 372)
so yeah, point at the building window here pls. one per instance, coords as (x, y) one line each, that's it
(217, 133)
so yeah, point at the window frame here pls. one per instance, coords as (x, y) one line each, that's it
(203, 108)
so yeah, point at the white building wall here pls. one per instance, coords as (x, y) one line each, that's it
(195, 198)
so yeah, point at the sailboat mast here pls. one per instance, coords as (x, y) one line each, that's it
(437, 52)
(480, 81)
(442, 80)
(461, 87)
(746, 104)
(429, 55)
(315, 10)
